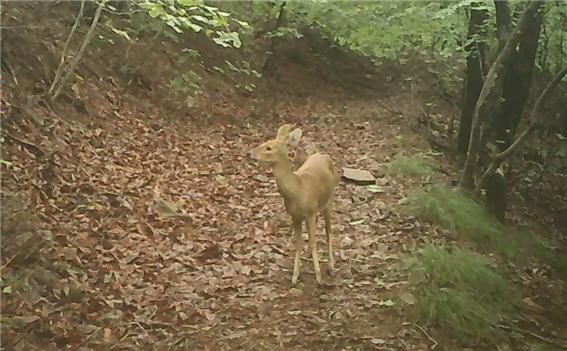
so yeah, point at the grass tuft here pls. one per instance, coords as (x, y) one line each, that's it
(466, 218)
(460, 293)
(409, 166)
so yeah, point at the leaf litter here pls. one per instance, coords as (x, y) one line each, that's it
(206, 265)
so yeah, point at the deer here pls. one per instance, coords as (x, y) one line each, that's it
(307, 192)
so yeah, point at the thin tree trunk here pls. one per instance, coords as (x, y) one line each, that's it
(77, 58)
(476, 50)
(273, 39)
(508, 101)
(467, 179)
(494, 104)
(66, 48)
(502, 156)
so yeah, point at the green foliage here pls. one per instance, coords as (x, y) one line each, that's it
(459, 292)
(187, 83)
(5, 163)
(391, 30)
(468, 219)
(553, 40)
(399, 31)
(409, 166)
(196, 16)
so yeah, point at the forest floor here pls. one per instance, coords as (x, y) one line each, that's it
(108, 272)
(220, 280)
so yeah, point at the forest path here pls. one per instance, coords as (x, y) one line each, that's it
(220, 280)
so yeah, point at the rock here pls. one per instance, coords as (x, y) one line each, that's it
(358, 176)
(295, 292)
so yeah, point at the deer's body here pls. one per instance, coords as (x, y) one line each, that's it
(311, 180)
(306, 192)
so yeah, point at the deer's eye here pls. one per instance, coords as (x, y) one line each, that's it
(268, 148)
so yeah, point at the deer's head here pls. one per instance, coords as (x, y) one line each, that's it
(275, 151)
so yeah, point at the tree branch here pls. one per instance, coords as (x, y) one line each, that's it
(467, 181)
(77, 58)
(66, 47)
(534, 119)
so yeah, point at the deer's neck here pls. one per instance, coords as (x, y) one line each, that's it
(287, 181)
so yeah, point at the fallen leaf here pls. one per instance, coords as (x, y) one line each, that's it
(408, 298)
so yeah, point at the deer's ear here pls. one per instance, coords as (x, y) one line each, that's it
(294, 137)
(283, 132)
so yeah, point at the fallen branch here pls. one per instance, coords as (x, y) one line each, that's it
(86, 339)
(379, 103)
(8, 262)
(34, 148)
(435, 343)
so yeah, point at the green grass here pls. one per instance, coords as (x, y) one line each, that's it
(409, 166)
(458, 292)
(467, 219)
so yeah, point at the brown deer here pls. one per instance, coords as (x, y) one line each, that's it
(306, 192)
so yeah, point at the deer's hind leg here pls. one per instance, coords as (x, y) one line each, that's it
(312, 231)
(327, 216)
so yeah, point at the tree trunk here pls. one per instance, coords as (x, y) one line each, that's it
(270, 53)
(494, 104)
(517, 81)
(476, 50)
(503, 21)
(479, 117)
(532, 123)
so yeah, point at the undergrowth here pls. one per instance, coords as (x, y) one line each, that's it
(460, 293)
(466, 218)
(409, 166)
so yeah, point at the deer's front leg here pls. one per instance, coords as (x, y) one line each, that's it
(327, 216)
(312, 230)
(298, 240)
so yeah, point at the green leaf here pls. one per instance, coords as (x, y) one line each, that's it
(6, 163)
(236, 40)
(202, 19)
(173, 25)
(194, 27)
(243, 24)
(186, 3)
(156, 10)
(7, 289)
(386, 303)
